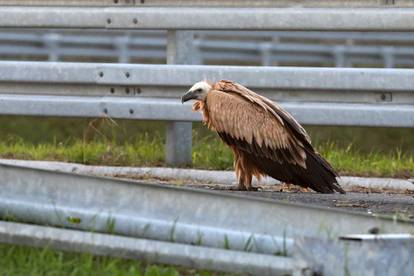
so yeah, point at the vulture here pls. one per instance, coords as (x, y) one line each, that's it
(265, 139)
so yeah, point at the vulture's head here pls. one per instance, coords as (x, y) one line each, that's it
(197, 92)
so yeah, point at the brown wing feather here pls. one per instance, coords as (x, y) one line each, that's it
(279, 113)
(270, 136)
(256, 124)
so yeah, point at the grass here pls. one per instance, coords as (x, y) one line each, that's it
(349, 161)
(208, 153)
(20, 260)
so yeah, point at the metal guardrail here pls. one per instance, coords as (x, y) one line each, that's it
(181, 224)
(128, 91)
(265, 48)
(172, 111)
(292, 78)
(149, 250)
(216, 3)
(180, 50)
(193, 18)
(176, 213)
(323, 96)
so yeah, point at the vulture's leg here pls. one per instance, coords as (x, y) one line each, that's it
(241, 186)
(247, 182)
(244, 184)
(244, 171)
(247, 172)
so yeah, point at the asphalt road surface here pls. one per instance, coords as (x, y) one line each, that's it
(388, 202)
(395, 203)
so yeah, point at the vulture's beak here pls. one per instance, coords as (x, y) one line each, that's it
(187, 96)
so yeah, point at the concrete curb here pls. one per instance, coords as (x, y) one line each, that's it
(222, 177)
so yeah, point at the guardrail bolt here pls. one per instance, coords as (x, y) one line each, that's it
(109, 21)
(116, 1)
(101, 74)
(384, 97)
(127, 74)
(135, 21)
(374, 230)
(127, 90)
(105, 110)
(112, 90)
(131, 111)
(137, 90)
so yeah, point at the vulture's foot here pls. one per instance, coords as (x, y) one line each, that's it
(254, 189)
(241, 187)
(287, 187)
(234, 188)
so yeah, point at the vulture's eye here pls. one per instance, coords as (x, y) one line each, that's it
(198, 90)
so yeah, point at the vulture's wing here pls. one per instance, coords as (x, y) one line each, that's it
(244, 115)
(261, 128)
(279, 113)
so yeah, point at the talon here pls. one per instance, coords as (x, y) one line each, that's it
(238, 188)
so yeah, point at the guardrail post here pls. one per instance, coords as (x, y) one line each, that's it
(180, 50)
(266, 54)
(122, 47)
(339, 55)
(388, 57)
(52, 44)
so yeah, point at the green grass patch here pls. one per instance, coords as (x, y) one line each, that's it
(21, 260)
(143, 151)
(208, 153)
(352, 151)
(350, 161)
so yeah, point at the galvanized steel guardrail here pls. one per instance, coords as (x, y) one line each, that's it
(150, 250)
(371, 97)
(208, 18)
(265, 48)
(322, 96)
(278, 78)
(175, 217)
(180, 50)
(181, 214)
(215, 3)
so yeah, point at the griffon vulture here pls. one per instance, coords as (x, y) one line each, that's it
(265, 139)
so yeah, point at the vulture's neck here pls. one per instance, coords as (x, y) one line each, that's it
(201, 106)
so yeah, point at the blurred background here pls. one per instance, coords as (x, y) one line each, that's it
(353, 150)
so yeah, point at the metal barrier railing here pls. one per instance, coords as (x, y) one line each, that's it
(259, 48)
(382, 106)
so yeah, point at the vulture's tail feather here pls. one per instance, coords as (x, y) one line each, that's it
(320, 175)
